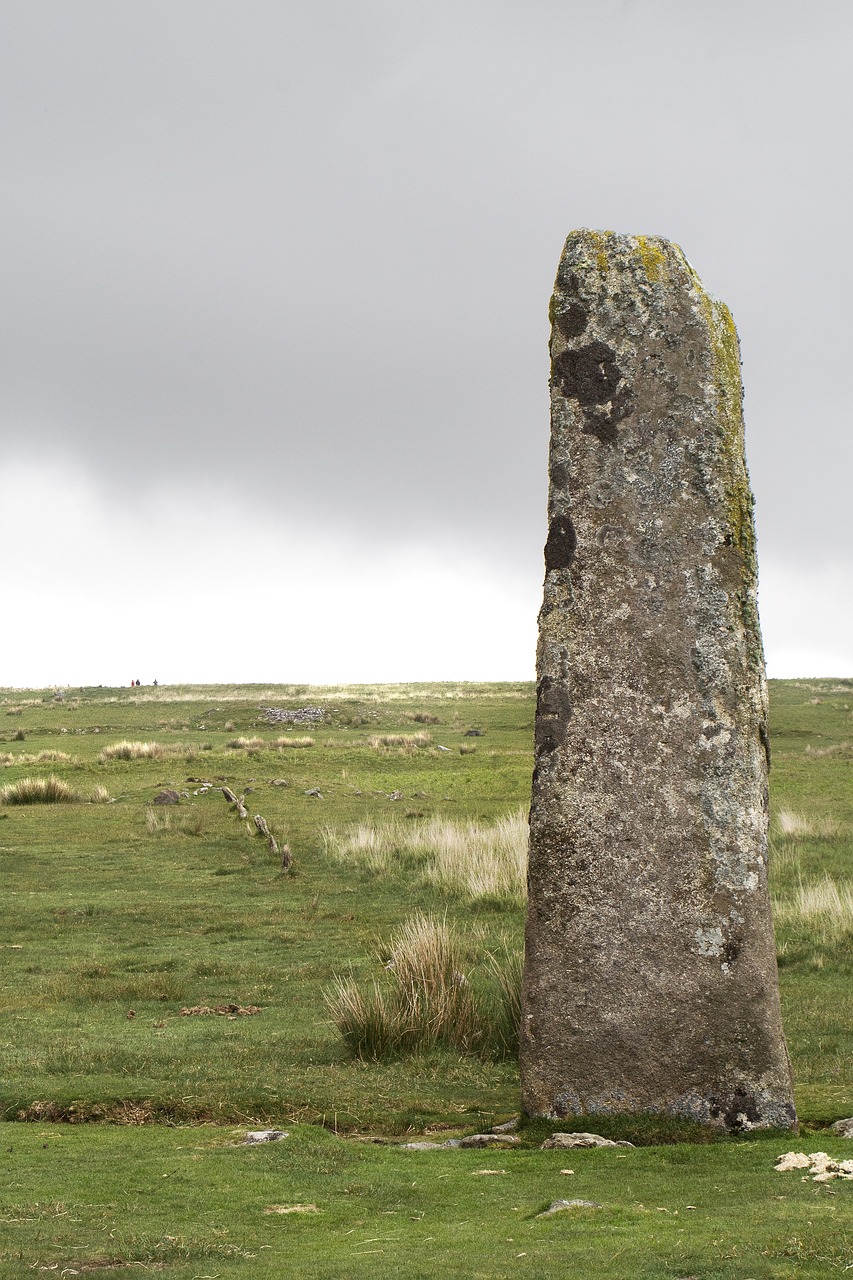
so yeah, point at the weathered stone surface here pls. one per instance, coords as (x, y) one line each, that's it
(167, 797)
(650, 974)
(560, 1206)
(489, 1140)
(843, 1128)
(562, 1141)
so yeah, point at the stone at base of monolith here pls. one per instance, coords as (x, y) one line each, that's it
(650, 973)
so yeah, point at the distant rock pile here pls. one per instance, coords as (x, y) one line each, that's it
(305, 715)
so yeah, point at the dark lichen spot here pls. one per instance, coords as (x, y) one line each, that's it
(553, 712)
(589, 374)
(562, 543)
(765, 740)
(569, 317)
(738, 1111)
(559, 473)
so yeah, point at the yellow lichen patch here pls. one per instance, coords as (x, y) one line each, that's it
(653, 256)
(598, 244)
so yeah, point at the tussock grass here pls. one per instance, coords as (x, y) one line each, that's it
(246, 744)
(288, 741)
(428, 999)
(99, 795)
(45, 790)
(147, 751)
(799, 826)
(404, 740)
(157, 820)
(467, 858)
(132, 751)
(6, 758)
(822, 907)
(834, 749)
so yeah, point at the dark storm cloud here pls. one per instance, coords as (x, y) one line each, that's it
(309, 248)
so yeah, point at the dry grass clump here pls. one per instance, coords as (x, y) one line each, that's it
(799, 826)
(48, 756)
(427, 998)
(148, 751)
(246, 744)
(6, 757)
(45, 790)
(132, 751)
(99, 795)
(470, 858)
(824, 907)
(289, 741)
(423, 717)
(157, 820)
(836, 749)
(405, 740)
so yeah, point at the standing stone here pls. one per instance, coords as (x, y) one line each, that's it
(650, 973)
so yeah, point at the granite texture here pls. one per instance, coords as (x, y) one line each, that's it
(650, 972)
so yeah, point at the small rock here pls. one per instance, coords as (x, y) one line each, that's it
(422, 1146)
(563, 1140)
(279, 782)
(314, 791)
(483, 1173)
(396, 795)
(167, 797)
(559, 1206)
(440, 748)
(473, 733)
(844, 1128)
(263, 1135)
(507, 1127)
(487, 1140)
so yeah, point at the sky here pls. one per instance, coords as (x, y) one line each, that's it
(274, 281)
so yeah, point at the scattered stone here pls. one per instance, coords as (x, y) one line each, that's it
(559, 1206)
(396, 795)
(488, 1140)
(560, 1141)
(484, 1173)
(473, 733)
(440, 748)
(167, 797)
(567, 1171)
(291, 1208)
(314, 791)
(821, 1166)
(844, 1128)
(220, 1010)
(507, 1127)
(422, 1146)
(648, 823)
(306, 715)
(280, 782)
(254, 1136)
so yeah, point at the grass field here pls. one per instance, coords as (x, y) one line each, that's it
(118, 914)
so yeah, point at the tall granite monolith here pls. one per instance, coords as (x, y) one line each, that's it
(650, 972)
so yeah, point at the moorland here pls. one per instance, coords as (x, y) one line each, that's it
(168, 984)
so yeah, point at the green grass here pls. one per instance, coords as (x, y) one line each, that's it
(114, 921)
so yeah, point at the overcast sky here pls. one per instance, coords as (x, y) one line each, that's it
(274, 292)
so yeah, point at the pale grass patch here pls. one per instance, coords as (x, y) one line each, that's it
(246, 744)
(46, 790)
(157, 820)
(48, 756)
(470, 858)
(421, 739)
(289, 741)
(799, 826)
(147, 751)
(823, 904)
(99, 795)
(836, 749)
